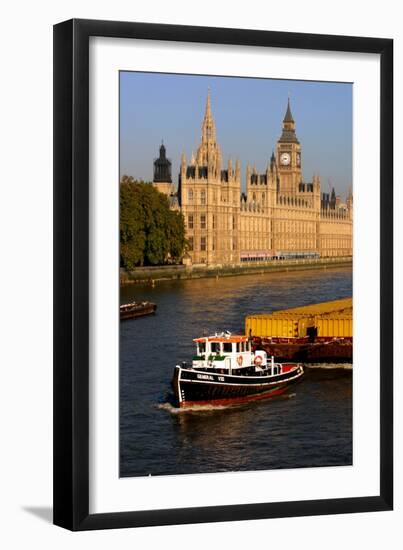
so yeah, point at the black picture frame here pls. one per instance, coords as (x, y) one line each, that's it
(71, 274)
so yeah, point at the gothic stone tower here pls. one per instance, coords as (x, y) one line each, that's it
(210, 200)
(288, 154)
(162, 173)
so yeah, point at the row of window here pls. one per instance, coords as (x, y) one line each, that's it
(335, 243)
(203, 222)
(254, 196)
(203, 244)
(225, 347)
(295, 226)
(256, 225)
(192, 195)
(191, 221)
(295, 244)
(279, 256)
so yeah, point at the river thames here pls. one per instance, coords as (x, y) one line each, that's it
(311, 426)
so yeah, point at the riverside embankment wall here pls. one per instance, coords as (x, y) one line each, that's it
(172, 272)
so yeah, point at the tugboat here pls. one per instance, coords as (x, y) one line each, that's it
(136, 309)
(225, 371)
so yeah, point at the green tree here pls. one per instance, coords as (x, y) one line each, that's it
(177, 235)
(150, 232)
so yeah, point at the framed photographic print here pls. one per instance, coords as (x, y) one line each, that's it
(223, 303)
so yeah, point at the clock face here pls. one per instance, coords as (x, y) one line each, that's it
(299, 159)
(285, 159)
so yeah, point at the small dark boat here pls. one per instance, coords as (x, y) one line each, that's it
(136, 309)
(225, 371)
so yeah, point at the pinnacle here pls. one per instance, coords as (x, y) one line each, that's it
(208, 105)
(288, 115)
(208, 128)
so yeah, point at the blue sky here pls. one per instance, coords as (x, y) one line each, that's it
(248, 113)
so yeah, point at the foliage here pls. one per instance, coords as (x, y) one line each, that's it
(150, 232)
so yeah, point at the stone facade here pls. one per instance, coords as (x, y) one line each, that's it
(279, 215)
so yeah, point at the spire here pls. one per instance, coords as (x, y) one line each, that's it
(271, 165)
(208, 153)
(208, 105)
(288, 115)
(208, 128)
(230, 165)
(288, 134)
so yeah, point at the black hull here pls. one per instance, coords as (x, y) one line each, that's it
(200, 388)
(332, 351)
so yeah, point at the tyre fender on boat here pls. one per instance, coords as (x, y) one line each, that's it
(258, 360)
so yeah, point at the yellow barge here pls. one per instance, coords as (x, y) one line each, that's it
(321, 331)
(328, 319)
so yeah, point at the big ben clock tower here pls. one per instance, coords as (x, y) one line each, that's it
(289, 156)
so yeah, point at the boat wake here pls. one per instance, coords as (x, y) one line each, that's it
(169, 407)
(172, 409)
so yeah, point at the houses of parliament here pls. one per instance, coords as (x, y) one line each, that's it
(279, 216)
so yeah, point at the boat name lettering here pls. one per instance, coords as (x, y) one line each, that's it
(205, 377)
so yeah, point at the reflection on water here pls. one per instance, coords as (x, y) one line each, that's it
(309, 427)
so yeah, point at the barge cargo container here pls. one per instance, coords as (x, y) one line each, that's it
(316, 332)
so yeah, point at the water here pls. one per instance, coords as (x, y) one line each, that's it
(310, 426)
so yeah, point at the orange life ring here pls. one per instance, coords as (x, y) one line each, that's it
(258, 360)
(239, 360)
